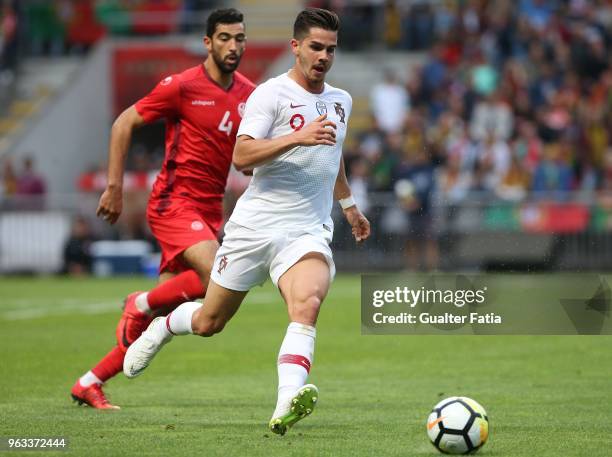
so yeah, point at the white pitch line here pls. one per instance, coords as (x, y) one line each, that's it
(60, 310)
(15, 304)
(22, 309)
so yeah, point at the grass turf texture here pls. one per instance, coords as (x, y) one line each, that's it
(546, 396)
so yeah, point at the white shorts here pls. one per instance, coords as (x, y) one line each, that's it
(247, 256)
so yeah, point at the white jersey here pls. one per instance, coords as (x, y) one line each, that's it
(295, 190)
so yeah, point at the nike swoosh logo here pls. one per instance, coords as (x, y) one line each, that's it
(296, 106)
(432, 424)
(126, 343)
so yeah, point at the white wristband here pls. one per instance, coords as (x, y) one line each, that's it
(347, 202)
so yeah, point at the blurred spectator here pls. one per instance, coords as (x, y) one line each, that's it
(46, 27)
(445, 18)
(555, 119)
(414, 186)
(494, 159)
(30, 189)
(371, 142)
(588, 51)
(77, 255)
(545, 84)
(492, 116)
(9, 178)
(454, 181)
(418, 26)
(414, 138)
(434, 72)
(8, 43)
(528, 146)
(514, 185)
(553, 176)
(381, 168)
(537, 12)
(358, 181)
(29, 181)
(390, 103)
(392, 24)
(462, 149)
(484, 77)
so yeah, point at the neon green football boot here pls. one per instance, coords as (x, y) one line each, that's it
(301, 405)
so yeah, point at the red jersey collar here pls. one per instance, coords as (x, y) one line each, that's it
(215, 82)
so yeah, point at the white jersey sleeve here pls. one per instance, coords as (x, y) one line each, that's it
(259, 113)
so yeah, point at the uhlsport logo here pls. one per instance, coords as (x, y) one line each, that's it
(203, 102)
(166, 81)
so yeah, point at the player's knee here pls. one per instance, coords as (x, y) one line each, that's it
(208, 327)
(307, 309)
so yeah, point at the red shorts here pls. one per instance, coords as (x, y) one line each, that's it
(179, 227)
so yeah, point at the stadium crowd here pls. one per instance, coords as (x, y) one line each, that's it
(511, 104)
(513, 100)
(58, 26)
(512, 97)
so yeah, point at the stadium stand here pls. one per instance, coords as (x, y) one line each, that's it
(502, 158)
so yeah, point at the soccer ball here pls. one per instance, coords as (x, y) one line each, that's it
(458, 425)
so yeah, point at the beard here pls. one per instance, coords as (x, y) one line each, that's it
(307, 67)
(225, 66)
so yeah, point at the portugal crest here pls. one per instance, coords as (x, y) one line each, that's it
(222, 264)
(340, 111)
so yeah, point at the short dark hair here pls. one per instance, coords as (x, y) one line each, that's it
(314, 17)
(222, 16)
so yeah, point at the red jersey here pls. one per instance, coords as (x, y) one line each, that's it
(202, 120)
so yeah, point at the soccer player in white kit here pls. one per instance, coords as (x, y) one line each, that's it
(291, 135)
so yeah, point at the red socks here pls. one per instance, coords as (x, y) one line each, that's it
(110, 365)
(169, 294)
(184, 287)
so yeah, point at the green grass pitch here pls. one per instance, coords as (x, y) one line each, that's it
(546, 396)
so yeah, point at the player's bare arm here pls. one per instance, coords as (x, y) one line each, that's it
(360, 226)
(111, 201)
(250, 152)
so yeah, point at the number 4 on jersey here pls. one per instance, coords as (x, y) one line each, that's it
(226, 125)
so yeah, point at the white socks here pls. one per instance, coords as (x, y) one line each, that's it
(89, 378)
(178, 321)
(142, 304)
(294, 360)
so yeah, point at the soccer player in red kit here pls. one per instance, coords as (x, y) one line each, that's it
(203, 107)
